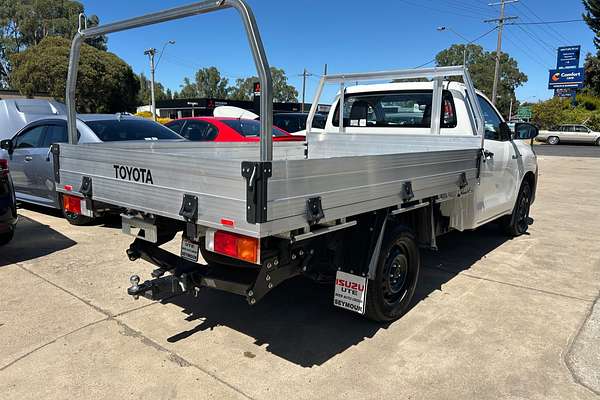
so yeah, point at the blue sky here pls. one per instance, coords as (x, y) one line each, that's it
(348, 35)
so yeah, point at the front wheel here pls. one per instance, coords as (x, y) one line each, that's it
(517, 223)
(553, 140)
(396, 276)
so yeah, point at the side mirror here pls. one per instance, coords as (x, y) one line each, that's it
(525, 131)
(7, 145)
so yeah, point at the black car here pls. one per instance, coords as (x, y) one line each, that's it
(295, 122)
(8, 205)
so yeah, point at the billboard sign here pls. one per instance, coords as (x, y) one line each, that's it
(564, 92)
(571, 78)
(568, 57)
(524, 112)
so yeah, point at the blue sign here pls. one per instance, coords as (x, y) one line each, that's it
(568, 57)
(566, 78)
(564, 92)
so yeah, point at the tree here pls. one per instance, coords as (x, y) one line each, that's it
(105, 84)
(26, 23)
(592, 75)
(208, 83)
(481, 68)
(592, 18)
(243, 89)
(145, 93)
(282, 91)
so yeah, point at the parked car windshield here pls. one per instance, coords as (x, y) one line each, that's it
(249, 127)
(295, 122)
(113, 130)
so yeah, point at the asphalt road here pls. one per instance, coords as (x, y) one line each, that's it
(568, 150)
(493, 318)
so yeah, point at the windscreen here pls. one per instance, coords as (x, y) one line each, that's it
(113, 130)
(249, 127)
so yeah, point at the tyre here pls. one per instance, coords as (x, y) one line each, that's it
(396, 276)
(75, 219)
(553, 140)
(6, 237)
(597, 142)
(517, 223)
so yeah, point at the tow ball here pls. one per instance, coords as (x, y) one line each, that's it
(135, 286)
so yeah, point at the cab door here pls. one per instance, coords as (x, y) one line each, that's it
(500, 168)
(23, 159)
(45, 191)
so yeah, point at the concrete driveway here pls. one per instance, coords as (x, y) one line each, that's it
(494, 318)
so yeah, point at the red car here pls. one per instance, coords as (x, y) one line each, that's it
(219, 129)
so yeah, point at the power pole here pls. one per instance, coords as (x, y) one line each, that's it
(151, 53)
(500, 21)
(304, 74)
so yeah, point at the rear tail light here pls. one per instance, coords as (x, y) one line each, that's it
(242, 247)
(3, 167)
(72, 204)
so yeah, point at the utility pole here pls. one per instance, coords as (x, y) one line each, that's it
(304, 74)
(500, 21)
(151, 52)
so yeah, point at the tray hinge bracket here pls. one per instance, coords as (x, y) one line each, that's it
(462, 181)
(189, 212)
(256, 173)
(407, 191)
(314, 210)
(87, 191)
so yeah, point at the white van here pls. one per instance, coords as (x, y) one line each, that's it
(16, 113)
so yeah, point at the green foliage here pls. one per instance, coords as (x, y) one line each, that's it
(592, 75)
(558, 111)
(105, 84)
(481, 65)
(25, 23)
(145, 95)
(209, 83)
(592, 18)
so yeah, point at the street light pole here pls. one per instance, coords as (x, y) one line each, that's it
(467, 41)
(151, 53)
(304, 74)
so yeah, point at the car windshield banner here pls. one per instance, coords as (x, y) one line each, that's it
(566, 78)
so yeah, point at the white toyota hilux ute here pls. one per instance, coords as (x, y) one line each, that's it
(397, 165)
(403, 108)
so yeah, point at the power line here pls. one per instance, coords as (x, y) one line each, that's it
(548, 28)
(468, 43)
(566, 21)
(439, 10)
(529, 54)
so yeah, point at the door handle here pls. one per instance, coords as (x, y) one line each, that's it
(28, 158)
(488, 154)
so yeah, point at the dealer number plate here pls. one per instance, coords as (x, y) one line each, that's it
(350, 292)
(189, 250)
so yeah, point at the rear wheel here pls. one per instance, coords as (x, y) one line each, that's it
(598, 142)
(396, 276)
(517, 223)
(553, 140)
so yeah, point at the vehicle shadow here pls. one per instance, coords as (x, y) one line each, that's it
(46, 240)
(297, 320)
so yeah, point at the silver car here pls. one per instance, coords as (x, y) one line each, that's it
(30, 159)
(570, 133)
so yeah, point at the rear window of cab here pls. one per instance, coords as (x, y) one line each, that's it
(395, 109)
